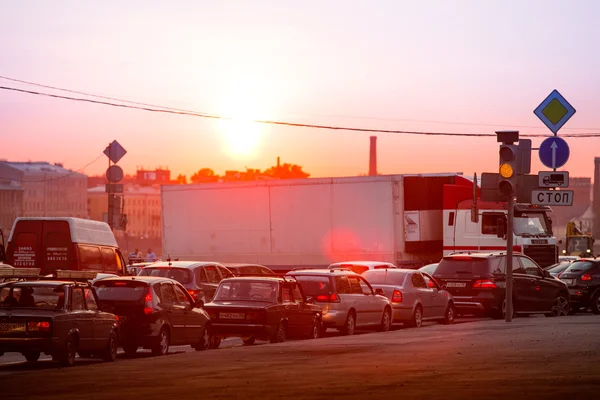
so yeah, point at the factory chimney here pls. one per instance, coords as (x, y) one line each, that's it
(373, 156)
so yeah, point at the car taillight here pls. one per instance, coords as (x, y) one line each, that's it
(431, 284)
(397, 296)
(192, 293)
(253, 315)
(43, 326)
(484, 284)
(586, 277)
(148, 307)
(330, 298)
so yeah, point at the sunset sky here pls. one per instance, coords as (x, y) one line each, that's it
(434, 66)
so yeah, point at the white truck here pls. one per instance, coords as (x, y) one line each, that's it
(408, 220)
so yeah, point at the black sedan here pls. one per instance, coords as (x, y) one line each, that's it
(59, 318)
(263, 308)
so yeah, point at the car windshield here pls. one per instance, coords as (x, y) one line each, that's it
(246, 290)
(312, 286)
(45, 297)
(181, 275)
(530, 224)
(128, 291)
(559, 267)
(578, 245)
(580, 266)
(385, 277)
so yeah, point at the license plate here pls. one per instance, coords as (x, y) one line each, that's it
(232, 315)
(5, 327)
(456, 284)
(569, 281)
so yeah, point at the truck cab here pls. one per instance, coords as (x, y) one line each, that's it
(578, 243)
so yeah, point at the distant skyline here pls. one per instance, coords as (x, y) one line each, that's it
(464, 66)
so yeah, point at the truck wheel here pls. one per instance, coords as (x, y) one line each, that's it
(162, 343)
(110, 352)
(595, 305)
(32, 356)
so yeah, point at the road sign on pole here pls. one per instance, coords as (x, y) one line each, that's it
(114, 174)
(554, 111)
(552, 197)
(554, 152)
(552, 179)
(115, 151)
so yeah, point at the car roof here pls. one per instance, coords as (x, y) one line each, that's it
(42, 283)
(369, 264)
(390, 271)
(140, 278)
(482, 254)
(181, 264)
(330, 272)
(256, 278)
(239, 265)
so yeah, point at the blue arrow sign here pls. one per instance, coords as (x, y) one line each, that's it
(554, 152)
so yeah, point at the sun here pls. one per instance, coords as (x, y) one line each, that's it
(242, 136)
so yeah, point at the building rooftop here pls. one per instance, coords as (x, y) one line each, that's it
(40, 167)
(128, 189)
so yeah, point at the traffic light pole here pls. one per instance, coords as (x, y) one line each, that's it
(509, 257)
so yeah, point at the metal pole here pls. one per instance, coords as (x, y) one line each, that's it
(509, 257)
(110, 210)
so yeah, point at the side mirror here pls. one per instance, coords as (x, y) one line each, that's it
(309, 300)
(380, 292)
(199, 303)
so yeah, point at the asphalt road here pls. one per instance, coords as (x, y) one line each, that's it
(529, 358)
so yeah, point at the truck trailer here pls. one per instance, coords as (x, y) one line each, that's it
(408, 220)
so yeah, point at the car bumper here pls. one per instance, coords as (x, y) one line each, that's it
(19, 345)
(243, 330)
(579, 297)
(333, 318)
(476, 304)
(402, 314)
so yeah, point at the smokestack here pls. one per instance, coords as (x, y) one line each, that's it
(596, 200)
(373, 156)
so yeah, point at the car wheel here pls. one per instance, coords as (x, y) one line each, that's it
(85, 354)
(204, 343)
(449, 315)
(215, 342)
(66, 357)
(130, 349)
(349, 325)
(162, 343)
(32, 356)
(417, 319)
(560, 307)
(386, 321)
(279, 336)
(316, 329)
(110, 352)
(595, 305)
(249, 341)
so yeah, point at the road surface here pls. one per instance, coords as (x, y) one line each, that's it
(535, 358)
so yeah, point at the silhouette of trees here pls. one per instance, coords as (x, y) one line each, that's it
(181, 179)
(204, 175)
(286, 171)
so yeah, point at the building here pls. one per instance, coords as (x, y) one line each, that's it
(11, 205)
(47, 190)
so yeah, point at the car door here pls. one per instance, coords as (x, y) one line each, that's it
(102, 322)
(192, 321)
(375, 307)
(523, 287)
(305, 311)
(174, 312)
(360, 302)
(542, 290)
(291, 309)
(83, 319)
(424, 294)
(439, 300)
(209, 281)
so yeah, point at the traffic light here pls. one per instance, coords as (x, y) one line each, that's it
(508, 169)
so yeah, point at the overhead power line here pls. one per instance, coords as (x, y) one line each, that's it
(285, 123)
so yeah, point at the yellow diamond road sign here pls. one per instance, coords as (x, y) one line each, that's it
(554, 111)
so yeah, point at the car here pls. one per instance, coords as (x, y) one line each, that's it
(568, 258)
(262, 308)
(57, 316)
(347, 300)
(558, 268)
(361, 266)
(477, 281)
(135, 268)
(583, 279)
(241, 269)
(200, 278)
(415, 296)
(429, 268)
(154, 313)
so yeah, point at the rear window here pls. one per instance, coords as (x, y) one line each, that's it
(580, 266)
(120, 290)
(181, 275)
(233, 290)
(559, 267)
(312, 286)
(468, 266)
(385, 277)
(359, 269)
(46, 297)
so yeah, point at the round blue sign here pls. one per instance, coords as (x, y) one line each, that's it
(554, 152)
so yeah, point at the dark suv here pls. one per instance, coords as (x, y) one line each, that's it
(583, 278)
(478, 282)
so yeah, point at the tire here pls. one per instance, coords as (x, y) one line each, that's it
(249, 341)
(316, 329)
(161, 347)
(417, 318)
(215, 342)
(110, 352)
(280, 334)
(595, 303)
(66, 356)
(349, 324)
(32, 356)
(386, 321)
(449, 315)
(85, 354)
(204, 343)
(560, 306)
(130, 349)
